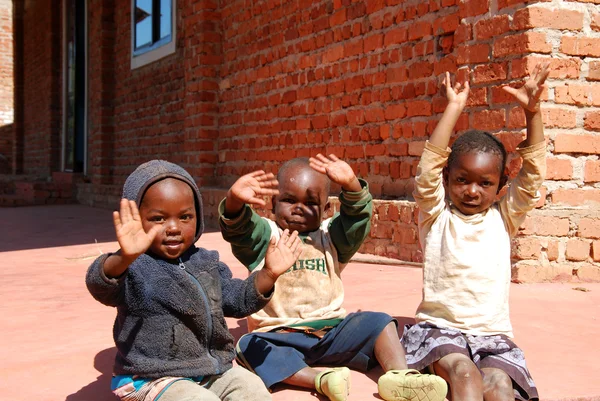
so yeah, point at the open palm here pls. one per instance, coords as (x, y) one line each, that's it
(250, 187)
(337, 170)
(458, 93)
(283, 255)
(132, 238)
(529, 94)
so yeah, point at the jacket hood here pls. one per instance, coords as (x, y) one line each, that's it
(155, 170)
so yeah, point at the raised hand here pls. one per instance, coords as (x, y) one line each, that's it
(283, 255)
(248, 189)
(456, 94)
(529, 94)
(337, 170)
(132, 238)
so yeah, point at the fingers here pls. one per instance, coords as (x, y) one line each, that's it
(544, 71)
(117, 220)
(510, 90)
(257, 201)
(291, 241)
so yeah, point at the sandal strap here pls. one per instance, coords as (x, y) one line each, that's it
(404, 372)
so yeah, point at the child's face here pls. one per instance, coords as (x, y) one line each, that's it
(170, 203)
(302, 199)
(473, 181)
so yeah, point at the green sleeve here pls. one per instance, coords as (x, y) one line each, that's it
(248, 234)
(350, 227)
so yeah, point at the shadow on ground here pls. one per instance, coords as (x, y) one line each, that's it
(100, 389)
(35, 227)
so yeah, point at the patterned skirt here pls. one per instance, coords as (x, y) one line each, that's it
(425, 344)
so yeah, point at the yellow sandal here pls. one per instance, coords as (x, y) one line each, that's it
(411, 385)
(338, 383)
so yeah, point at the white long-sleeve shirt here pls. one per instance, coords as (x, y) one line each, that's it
(467, 265)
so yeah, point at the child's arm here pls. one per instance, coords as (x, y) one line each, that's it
(102, 276)
(350, 227)
(132, 238)
(429, 190)
(528, 97)
(246, 231)
(522, 194)
(244, 297)
(457, 99)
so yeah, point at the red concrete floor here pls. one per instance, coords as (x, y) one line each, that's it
(57, 342)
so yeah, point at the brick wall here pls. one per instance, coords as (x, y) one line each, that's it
(41, 54)
(6, 85)
(253, 84)
(360, 79)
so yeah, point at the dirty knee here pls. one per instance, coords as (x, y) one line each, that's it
(497, 380)
(464, 371)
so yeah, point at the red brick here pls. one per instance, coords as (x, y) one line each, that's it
(395, 36)
(533, 272)
(588, 273)
(577, 94)
(490, 73)
(521, 43)
(545, 225)
(576, 197)
(561, 68)
(463, 33)
(558, 118)
(373, 42)
(471, 8)
(552, 251)
(395, 111)
(592, 121)
(559, 169)
(419, 30)
(541, 17)
(577, 250)
(509, 3)
(580, 46)
(568, 143)
(591, 171)
(589, 228)
(596, 251)
(445, 24)
(418, 108)
(488, 120)
(491, 27)
(472, 54)
(595, 21)
(594, 71)
(527, 248)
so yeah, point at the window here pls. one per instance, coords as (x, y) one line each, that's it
(153, 30)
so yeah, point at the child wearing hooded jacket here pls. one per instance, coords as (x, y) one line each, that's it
(171, 297)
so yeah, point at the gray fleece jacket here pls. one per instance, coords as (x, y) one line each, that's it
(170, 315)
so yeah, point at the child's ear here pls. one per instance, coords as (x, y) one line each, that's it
(327, 206)
(273, 203)
(445, 175)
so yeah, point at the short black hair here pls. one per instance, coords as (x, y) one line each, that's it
(302, 162)
(477, 141)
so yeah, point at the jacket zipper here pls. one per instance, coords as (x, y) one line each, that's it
(209, 315)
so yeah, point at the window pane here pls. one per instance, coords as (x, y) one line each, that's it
(165, 18)
(143, 23)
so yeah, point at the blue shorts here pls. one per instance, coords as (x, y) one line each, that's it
(275, 356)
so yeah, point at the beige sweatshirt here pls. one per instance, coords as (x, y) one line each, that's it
(467, 265)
